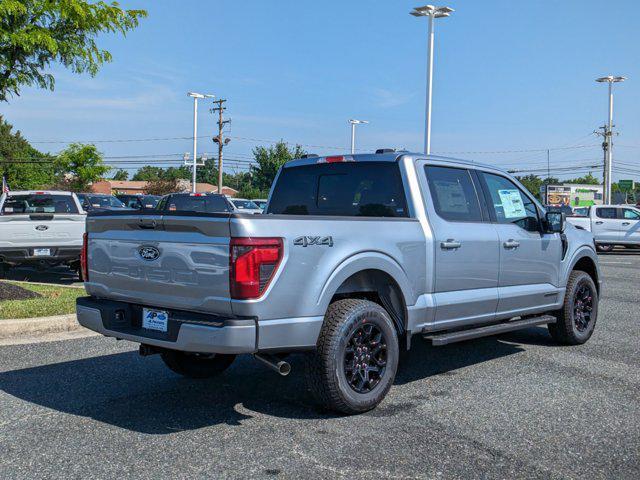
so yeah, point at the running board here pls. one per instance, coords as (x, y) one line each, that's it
(462, 335)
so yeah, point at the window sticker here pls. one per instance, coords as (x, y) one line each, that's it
(512, 203)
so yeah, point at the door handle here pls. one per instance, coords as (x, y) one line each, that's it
(625, 223)
(450, 244)
(598, 223)
(511, 243)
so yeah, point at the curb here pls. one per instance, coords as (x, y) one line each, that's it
(35, 326)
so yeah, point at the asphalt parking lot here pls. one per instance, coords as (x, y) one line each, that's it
(514, 406)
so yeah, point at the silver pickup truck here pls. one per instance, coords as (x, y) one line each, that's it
(353, 256)
(41, 228)
(611, 225)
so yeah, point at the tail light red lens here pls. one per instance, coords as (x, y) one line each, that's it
(84, 265)
(253, 263)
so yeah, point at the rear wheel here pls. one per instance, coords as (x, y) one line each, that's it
(577, 319)
(604, 248)
(196, 365)
(356, 358)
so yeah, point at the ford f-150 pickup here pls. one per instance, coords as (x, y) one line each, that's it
(611, 225)
(354, 256)
(42, 228)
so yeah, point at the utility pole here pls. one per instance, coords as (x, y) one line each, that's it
(546, 190)
(220, 139)
(605, 148)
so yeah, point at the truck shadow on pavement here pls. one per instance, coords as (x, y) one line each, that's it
(142, 395)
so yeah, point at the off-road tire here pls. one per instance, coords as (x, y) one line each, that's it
(195, 365)
(565, 330)
(325, 367)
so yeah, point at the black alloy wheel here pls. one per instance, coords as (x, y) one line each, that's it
(365, 358)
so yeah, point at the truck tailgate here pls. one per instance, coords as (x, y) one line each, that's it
(171, 261)
(41, 230)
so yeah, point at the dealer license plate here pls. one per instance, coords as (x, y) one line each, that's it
(155, 319)
(41, 252)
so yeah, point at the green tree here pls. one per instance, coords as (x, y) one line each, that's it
(120, 175)
(532, 183)
(24, 166)
(269, 160)
(36, 33)
(588, 179)
(78, 166)
(148, 173)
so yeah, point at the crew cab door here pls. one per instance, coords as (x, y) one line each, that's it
(630, 225)
(529, 258)
(466, 247)
(605, 225)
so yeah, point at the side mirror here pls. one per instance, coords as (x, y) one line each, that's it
(555, 222)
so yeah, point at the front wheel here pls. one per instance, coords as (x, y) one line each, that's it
(356, 358)
(577, 319)
(196, 365)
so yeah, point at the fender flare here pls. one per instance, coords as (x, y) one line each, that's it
(370, 260)
(580, 253)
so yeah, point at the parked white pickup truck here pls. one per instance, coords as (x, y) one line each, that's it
(42, 228)
(611, 225)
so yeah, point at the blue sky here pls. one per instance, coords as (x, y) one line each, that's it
(509, 75)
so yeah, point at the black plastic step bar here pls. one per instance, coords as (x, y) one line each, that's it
(445, 338)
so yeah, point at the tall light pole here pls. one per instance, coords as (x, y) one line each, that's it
(353, 123)
(610, 79)
(431, 12)
(196, 97)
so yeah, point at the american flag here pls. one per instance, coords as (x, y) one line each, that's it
(5, 185)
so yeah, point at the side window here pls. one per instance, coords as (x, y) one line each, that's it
(162, 204)
(453, 194)
(629, 214)
(606, 212)
(510, 204)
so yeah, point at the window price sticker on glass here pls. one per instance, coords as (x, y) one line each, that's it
(512, 204)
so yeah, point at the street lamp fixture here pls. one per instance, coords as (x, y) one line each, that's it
(431, 12)
(608, 135)
(353, 123)
(196, 97)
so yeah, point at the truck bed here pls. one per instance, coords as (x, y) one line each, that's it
(191, 271)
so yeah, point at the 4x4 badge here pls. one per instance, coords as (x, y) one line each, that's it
(307, 241)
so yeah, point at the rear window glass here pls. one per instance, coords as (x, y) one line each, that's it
(366, 189)
(27, 204)
(103, 201)
(201, 204)
(245, 205)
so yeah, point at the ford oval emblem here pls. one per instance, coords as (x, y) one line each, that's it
(149, 253)
(42, 228)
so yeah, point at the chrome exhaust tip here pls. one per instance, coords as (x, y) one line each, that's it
(274, 363)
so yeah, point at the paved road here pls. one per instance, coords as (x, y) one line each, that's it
(507, 407)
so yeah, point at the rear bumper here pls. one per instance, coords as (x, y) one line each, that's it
(195, 332)
(24, 255)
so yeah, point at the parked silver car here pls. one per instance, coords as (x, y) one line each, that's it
(354, 256)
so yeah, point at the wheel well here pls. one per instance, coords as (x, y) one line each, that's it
(379, 287)
(587, 265)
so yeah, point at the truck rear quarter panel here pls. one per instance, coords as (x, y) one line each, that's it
(309, 276)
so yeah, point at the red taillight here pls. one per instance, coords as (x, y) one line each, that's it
(84, 265)
(253, 262)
